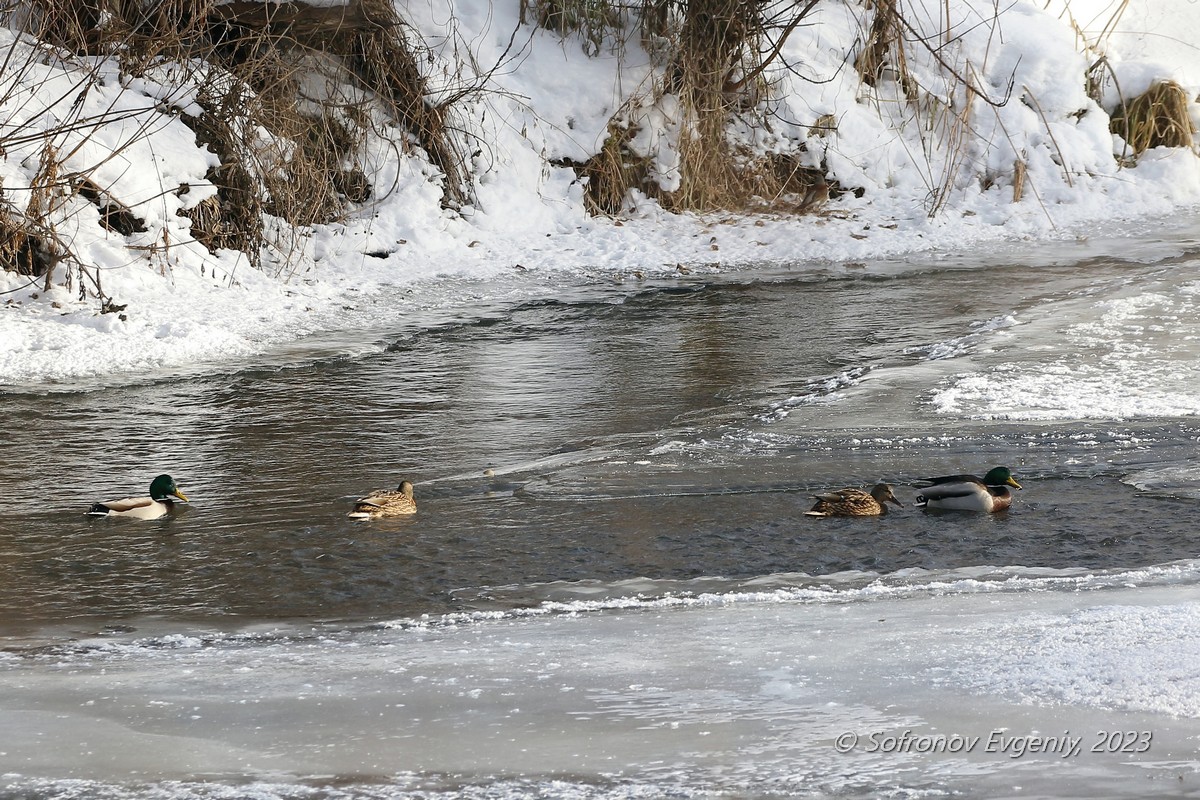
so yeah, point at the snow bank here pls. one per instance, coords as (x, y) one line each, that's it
(945, 184)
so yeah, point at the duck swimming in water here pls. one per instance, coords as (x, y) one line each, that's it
(386, 503)
(967, 492)
(854, 502)
(163, 494)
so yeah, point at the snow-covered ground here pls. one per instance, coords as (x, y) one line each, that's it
(185, 308)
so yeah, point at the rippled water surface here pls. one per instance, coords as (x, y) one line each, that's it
(671, 432)
(636, 439)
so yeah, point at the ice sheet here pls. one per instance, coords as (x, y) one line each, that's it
(1057, 693)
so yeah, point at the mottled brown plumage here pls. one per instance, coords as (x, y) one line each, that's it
(854, 502)
(386, 503)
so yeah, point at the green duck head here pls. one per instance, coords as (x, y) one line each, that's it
(1000, 476)
(163, 487)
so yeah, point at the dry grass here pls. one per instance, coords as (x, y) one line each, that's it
(21, 248)
(882, 56)
(258, 64)
(1018, 180)
(714, 54)
(611, 173)
(284, 156)
(594, 21)
(939, 105)
(385, 62)
(1158, 118)
(307, 168)
(233, 218)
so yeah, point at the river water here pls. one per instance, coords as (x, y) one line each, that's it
(611, 589)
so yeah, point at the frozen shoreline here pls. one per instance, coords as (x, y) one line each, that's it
(749, 698)
(51, 344)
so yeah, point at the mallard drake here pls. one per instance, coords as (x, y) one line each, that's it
(854, 502)
(967, 492)
(385, 503)
(163, 494)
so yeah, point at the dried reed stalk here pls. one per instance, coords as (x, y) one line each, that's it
(1158, 118)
